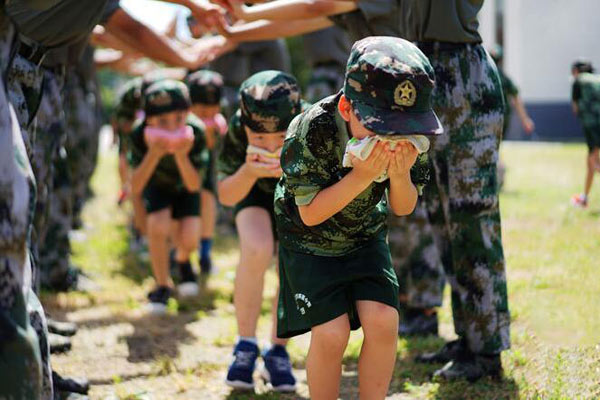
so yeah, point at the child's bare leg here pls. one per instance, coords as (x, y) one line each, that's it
(378, 354)
(324, 361)
(209, 214)
(591, 168)
(139, 214)
(188, 233)
(256, 251)
(159, 224)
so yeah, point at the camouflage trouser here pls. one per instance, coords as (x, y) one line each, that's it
(462, 198)
(20, 361)
(49, 134)
(416, 259)
(55, 249)
(24, 82)
(324, 81)
(82, 136)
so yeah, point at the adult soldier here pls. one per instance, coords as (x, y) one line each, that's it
(326, 51)
(463, 202)
(585, 98)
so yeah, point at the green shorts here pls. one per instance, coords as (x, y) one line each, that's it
(317, 289)
(182, 203)
(210, 179)
(592, 137)
(258, 198)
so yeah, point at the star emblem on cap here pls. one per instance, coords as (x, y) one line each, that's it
(405, 94)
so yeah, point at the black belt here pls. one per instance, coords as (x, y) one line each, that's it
(443, 47)
(33, 53)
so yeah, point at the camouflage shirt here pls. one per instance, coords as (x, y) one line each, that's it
(233, 154)
(166, 176)
(312, 160)
(586, 94)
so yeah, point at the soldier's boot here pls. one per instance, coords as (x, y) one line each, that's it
(450, 351)
(70, 385)
(61, 328)
(58, 344)
(470, 367)
(416, 322)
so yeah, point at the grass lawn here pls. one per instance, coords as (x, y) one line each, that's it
(552, 253)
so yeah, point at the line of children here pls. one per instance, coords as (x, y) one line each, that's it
(249, 169)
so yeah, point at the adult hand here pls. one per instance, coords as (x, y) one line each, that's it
(403, 158)
(208, 49)
(375, 164)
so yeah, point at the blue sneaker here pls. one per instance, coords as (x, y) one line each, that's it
(277, 369)
(241, 369)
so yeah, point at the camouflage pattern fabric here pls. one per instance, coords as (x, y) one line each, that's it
(586, 94)
(165, 96)
(463, 198)
(269, 100)
(81, 111)
(166, 175)
(20, 360)
(311, 160)
(416, 259)
(233, 154)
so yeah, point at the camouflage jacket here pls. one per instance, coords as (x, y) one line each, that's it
(312, 160)
(586, 94)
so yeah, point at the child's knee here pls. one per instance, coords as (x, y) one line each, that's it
(331, 337)
(255, 249)
(381, 322)
(158, 225)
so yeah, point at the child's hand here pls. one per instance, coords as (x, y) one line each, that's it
(184, 147)
(403, 158)
(375, 164)
(158, 148)
(261, 169)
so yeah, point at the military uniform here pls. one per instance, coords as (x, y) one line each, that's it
(20, 360)
(586, 94)
(463, 202)
(165, 188)
(271, 112)
(82, 107)
(326, 268)
(129, 103)
(327, 52)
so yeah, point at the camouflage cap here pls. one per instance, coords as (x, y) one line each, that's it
(205, 87)
(129, 99)
(166, 96)
(269, 100)
(389, 83)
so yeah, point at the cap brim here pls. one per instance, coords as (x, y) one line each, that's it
(395, 122)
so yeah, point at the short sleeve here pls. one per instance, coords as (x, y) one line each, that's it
(306, 159)
(136, 147)
(233, 149)
(420, 173)
(510, 88)
(111, 7)
(373, 9)
(198, 154)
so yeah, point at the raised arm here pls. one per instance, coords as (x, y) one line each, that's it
(269, 30)
(292, 9)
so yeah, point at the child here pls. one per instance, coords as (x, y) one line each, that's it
(586, 105)
(335, 267)
(167, 152)
(248, 173)
(205, 92)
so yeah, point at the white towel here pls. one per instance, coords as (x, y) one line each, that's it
(362, 148)
(270, 157)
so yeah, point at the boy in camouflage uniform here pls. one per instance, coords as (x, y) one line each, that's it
(335, 266)
(205, 92)
(168, 154)
(586, 105)
(248, 170)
